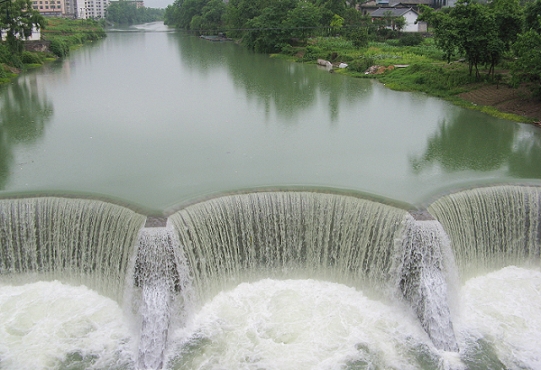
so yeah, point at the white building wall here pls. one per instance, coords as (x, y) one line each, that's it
(411, 26)
(93, 9)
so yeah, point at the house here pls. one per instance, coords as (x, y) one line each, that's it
(373, 5)
(36, 35)
(409, 15)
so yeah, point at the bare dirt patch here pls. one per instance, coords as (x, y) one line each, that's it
(506, 99)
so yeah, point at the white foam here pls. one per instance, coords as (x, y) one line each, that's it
(299, 324)
(50, 325)
(504, 308)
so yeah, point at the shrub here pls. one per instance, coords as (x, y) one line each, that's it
(28, 57)
(410, 39)
(9, 58)
(313, 53)
(59, 48)
(361, 64)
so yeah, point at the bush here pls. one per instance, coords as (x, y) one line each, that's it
(59, 48)
(410, 39)
(358, 36)
(7, 57)
(313, 53)
(28, 57)
(361, 64)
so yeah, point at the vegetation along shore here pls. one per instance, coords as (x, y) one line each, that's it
(484, 56)
(29, 39)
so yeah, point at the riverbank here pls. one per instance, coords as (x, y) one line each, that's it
(422, 69)
(57, 39)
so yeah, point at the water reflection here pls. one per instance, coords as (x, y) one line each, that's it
(525, 161)
(24, 113)
(481, 143)
(283, 87)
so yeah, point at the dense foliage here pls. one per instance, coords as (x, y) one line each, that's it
(66, 33)
(17, 19)
(271, 25)
(485, 34)
(60, 32)
(126, 12)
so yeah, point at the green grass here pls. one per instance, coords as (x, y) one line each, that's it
(427, 72)
(64, 34)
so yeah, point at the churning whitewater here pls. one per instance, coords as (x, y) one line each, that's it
(273, 324)
(273, 280)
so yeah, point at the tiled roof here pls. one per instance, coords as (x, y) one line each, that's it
(395, 12)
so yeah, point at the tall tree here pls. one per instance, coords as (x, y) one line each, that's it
(532, 16)
(301, 19)
(266, 33)
(527, 66)
(469, 28)
(18, 19)
(509, 19)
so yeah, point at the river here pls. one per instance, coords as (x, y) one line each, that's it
(155, 118)
(334, 273)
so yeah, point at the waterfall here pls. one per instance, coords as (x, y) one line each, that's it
(324, 236)
(492, 227)
(427, 265)
(170, 267)
(163, 280)
(73, 240)
(284, 235)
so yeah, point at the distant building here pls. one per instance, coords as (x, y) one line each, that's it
(81, 9)
(137, 3)
(409, 15)
(49, 8)
(36, 35)
(93, 9)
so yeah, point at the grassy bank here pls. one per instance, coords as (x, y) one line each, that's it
(61, 34)
(402, 67)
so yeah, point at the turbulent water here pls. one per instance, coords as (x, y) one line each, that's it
(273, 280)
(51, 325)
(274, 324)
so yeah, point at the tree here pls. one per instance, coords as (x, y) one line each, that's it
(509, 18)
(211, 17)
(399, 23)
(468, 28)
(303, 17)
(18, 19)
(181, 12)
(527, 66)
(266, 33)
(478, 36)
(532, 16)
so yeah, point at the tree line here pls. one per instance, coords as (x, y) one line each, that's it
(486, 33)
(483, 34)
(125, 12)
(269, 25)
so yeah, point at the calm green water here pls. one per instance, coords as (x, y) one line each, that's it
(156, 118)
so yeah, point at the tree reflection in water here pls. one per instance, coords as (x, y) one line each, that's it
(24, 113)
(483, 144)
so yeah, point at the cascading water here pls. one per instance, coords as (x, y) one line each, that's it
(492, 227)
(163, 280)
(247, 237)
(72, 240)
(370, 279)
(64, 268)
(427, 266)
(322, 236)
